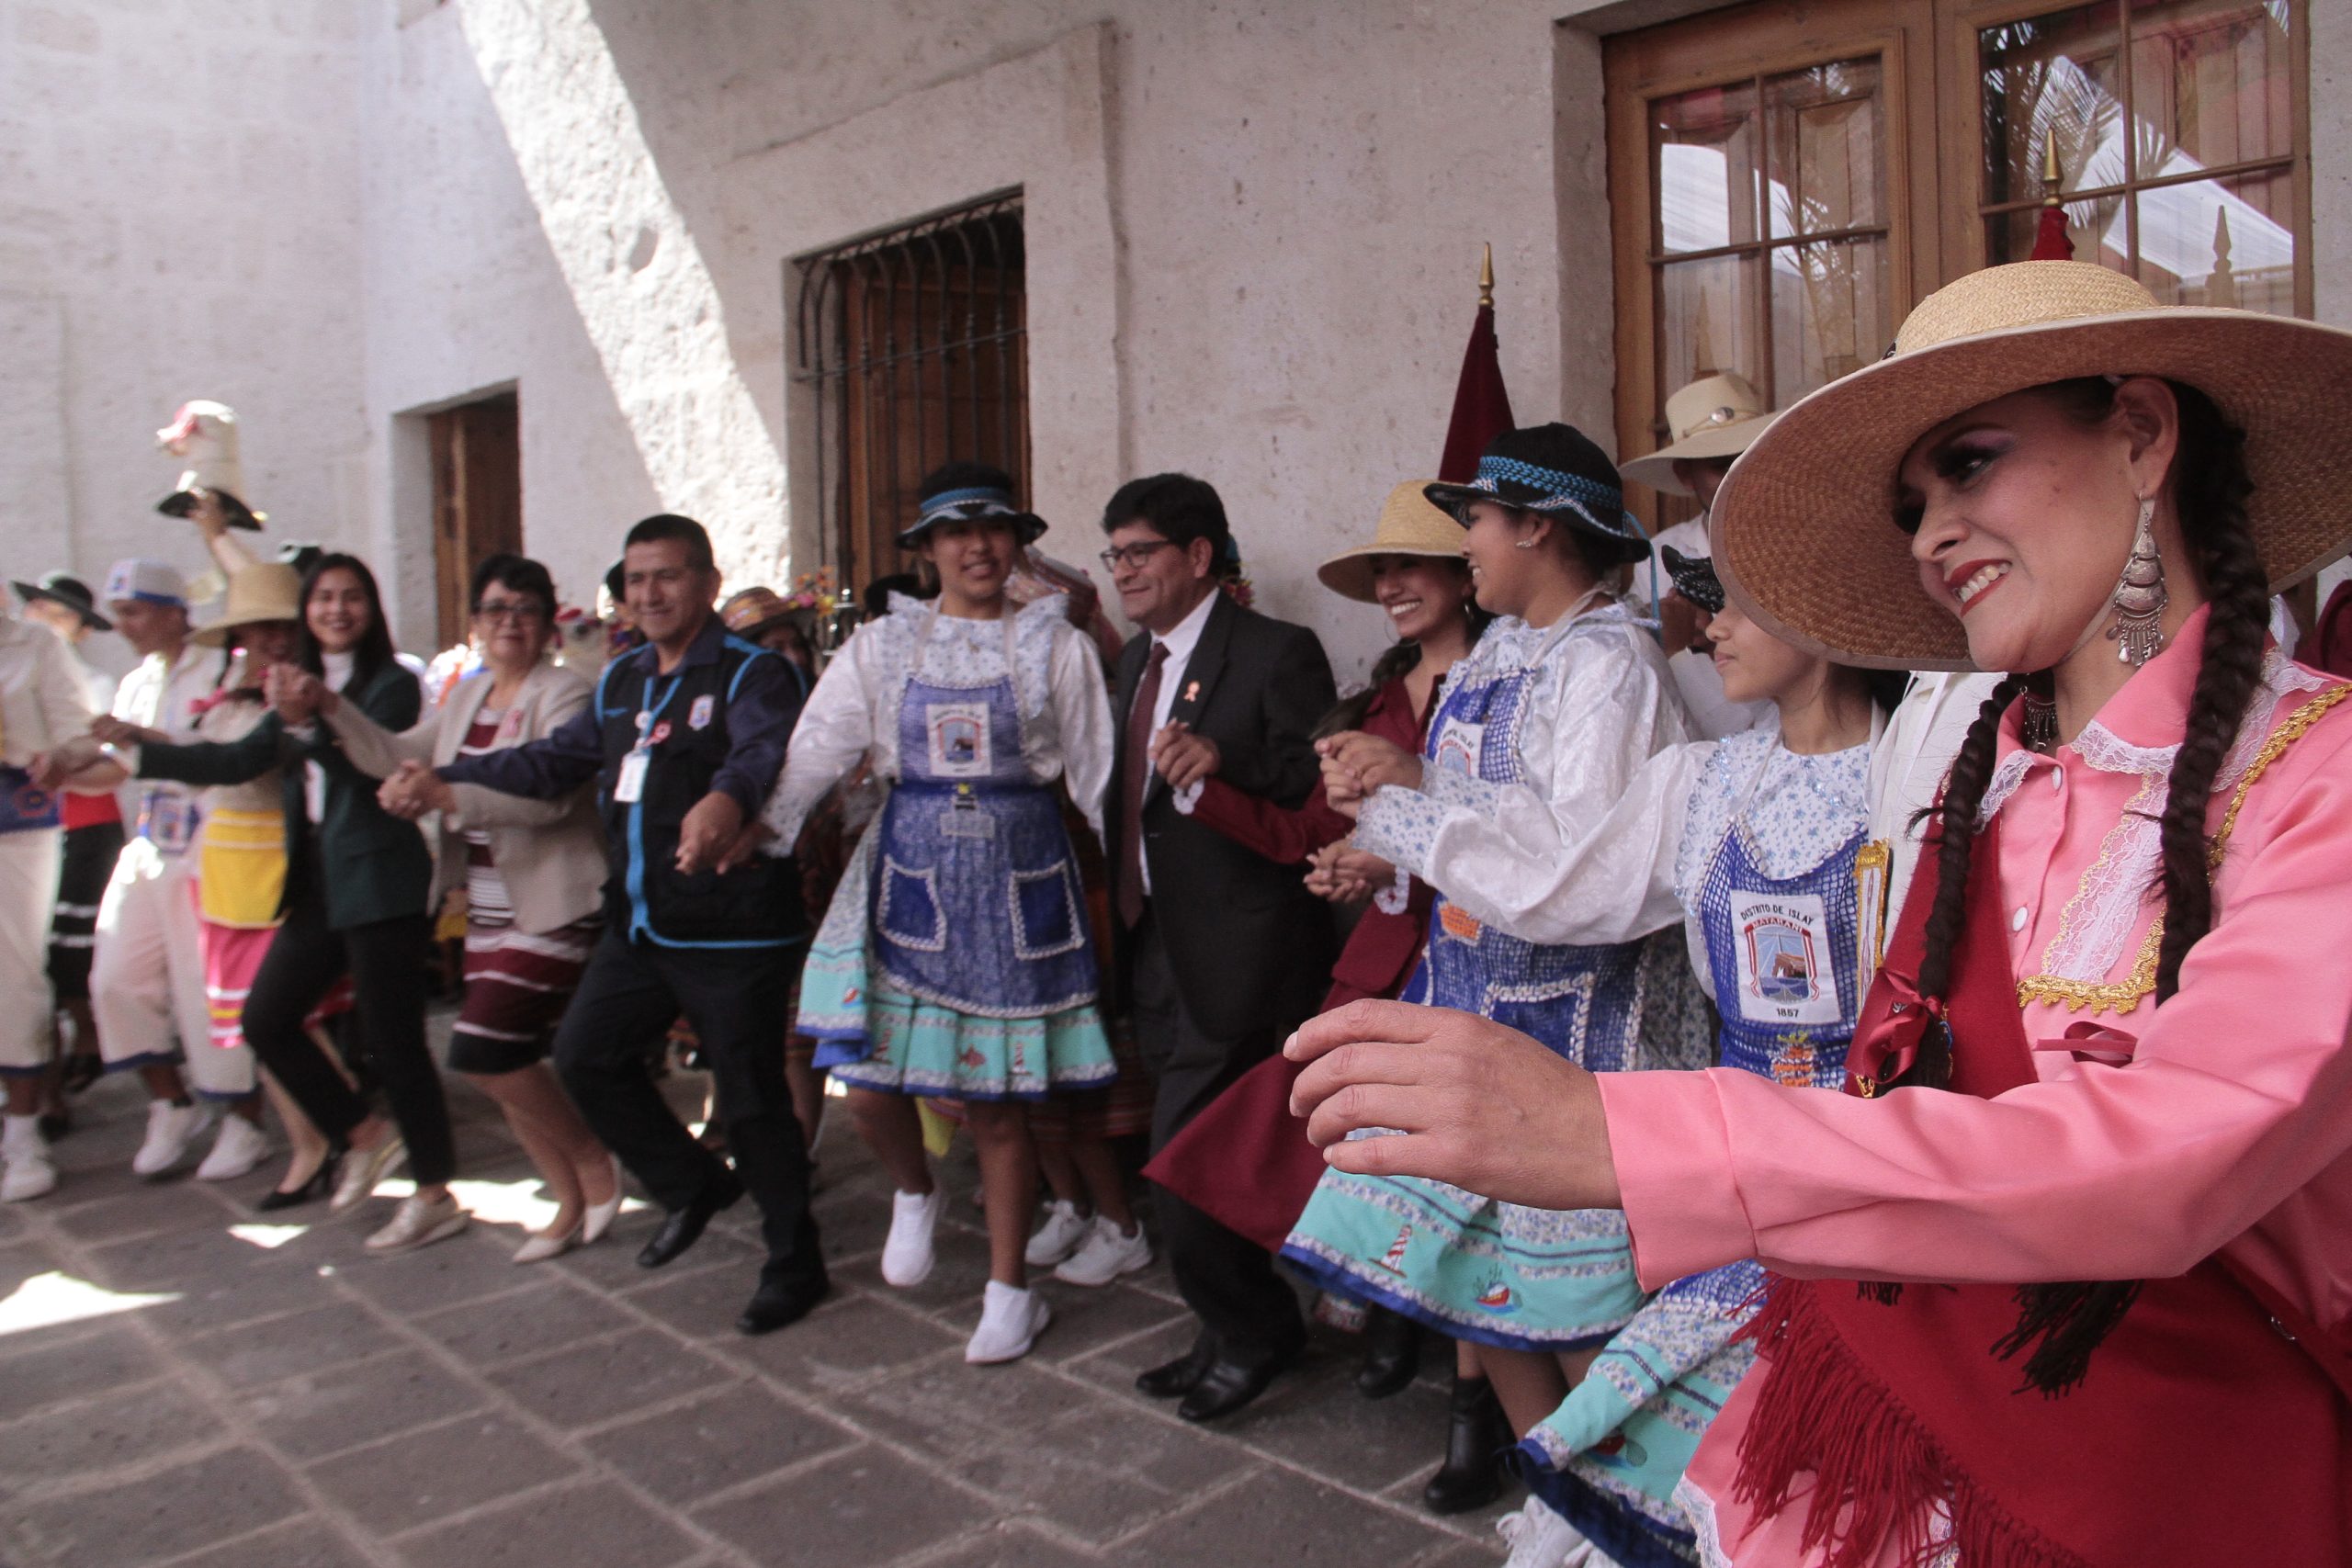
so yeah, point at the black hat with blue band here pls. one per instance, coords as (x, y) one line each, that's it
(956, 491)
(1555, 469)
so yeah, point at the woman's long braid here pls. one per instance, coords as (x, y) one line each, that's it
(2212, 496)
(1971, 771)
(2063, 1323)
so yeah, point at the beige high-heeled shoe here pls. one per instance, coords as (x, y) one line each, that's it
(600, 1216)
(539, 1249)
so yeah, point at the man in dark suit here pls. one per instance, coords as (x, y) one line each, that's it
(1221, 953)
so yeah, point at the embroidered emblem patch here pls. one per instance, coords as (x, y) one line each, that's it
(698, 717)
(1458, 745)
(958, 739)
(1782, 949)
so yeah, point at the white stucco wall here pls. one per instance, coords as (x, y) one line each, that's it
(179, 218)
(1252, 231)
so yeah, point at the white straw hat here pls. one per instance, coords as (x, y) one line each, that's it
(267, 591)
(1803, 529)
(1409, 525)
(1716, 416)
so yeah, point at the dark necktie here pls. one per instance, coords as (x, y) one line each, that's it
(1133, 777)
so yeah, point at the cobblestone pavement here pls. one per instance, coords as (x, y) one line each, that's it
(245, 1396)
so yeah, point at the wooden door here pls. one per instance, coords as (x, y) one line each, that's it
(1774, 199)
(477, 500)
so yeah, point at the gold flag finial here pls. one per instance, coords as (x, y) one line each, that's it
(1487, 278)
(2050, 172)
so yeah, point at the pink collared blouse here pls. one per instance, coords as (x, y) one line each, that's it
(2156, 1136)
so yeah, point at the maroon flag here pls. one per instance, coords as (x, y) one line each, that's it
(1481, 406)
(2049, 240)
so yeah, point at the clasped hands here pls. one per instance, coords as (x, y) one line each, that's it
(1356, 763)
(1462, 1100)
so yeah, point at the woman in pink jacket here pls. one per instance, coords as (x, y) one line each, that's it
(2062, 1271)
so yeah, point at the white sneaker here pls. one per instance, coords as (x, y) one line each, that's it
(24, 1153)
(1108, 1253)
(170, 1129)
(239, 1146)
(419, 1222)
(1540, 1539)
(1011, 1320)
(907, 1256)
(1064, 1228)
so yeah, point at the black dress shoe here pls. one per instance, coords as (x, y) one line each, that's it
(1226, 1386)
(683, 1227)
(778, 1304)
(321, 1183)
(1477, 1440)
(1392, 1354)
(1173, 1380)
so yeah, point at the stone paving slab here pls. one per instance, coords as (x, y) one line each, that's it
(285, 1400)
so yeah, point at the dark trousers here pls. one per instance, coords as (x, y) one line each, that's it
(737, 1000)
(386, 962)
(1248, 1313)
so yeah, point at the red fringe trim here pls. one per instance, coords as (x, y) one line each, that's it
(1877, 1473)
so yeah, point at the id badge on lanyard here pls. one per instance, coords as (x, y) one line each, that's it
(628, 787)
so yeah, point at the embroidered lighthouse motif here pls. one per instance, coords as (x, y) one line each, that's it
(1394, 1258)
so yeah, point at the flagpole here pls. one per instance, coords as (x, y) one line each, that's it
(1487, 278)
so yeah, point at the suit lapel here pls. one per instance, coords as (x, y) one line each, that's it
(464, 703)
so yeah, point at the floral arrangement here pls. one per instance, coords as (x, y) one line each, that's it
(814, 591)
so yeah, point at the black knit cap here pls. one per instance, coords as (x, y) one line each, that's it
(1555, 470)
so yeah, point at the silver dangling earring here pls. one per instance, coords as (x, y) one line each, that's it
(2140, 598)
(2038, 728)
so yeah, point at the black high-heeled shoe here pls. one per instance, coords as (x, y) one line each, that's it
(321, 1183)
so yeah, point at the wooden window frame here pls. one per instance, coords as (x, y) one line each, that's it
(1766, 38)
(1961, 97)
(877, 340)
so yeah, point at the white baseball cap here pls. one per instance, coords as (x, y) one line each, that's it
(150, 581)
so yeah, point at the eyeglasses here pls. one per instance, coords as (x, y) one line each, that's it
(1134, 555)
(518, 611)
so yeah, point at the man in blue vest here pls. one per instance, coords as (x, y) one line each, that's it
(685, 739)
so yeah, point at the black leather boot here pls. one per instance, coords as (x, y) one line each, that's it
(1392, 1354)
(1475, 1442)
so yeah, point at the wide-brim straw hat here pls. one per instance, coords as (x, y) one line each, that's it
(267, 591)
(752, 611)
(1716, 416)
(1804, 531)
(1409, 525)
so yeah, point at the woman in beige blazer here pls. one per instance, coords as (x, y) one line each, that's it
(533, 872)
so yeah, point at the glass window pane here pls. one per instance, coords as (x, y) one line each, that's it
(1703, 152)
(2220, 243)
(1830, 313)
(2052, 78)
(1706, 323)
(1825, 132)
(2096, 226)
(2210, 84)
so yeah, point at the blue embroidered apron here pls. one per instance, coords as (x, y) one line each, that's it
(977, 903)
(1468, 1265)
(1782, 954)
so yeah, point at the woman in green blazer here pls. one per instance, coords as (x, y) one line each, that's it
(358, 883)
